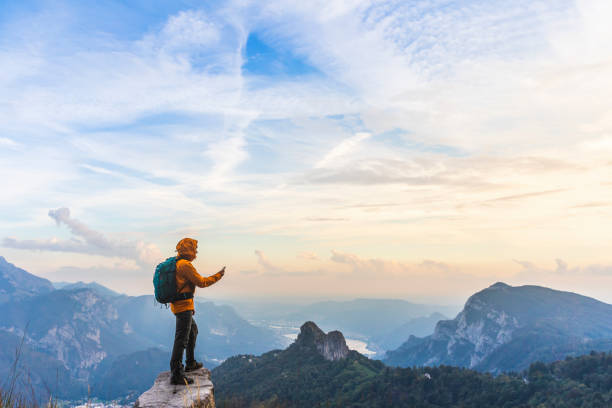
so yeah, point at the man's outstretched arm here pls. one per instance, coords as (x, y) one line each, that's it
(200, 281)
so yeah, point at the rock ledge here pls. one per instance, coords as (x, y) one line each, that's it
(200, 394)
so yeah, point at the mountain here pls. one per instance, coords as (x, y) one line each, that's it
(16, 283)
(301, 376)
(505, 328)
(102, 290)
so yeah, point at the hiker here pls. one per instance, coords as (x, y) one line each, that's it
(187, 278)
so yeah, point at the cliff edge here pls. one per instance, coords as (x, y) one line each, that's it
(200, 394)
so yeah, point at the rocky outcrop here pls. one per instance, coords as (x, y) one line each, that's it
(200, 394)
(331, 346)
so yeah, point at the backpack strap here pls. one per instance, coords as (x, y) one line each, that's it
(183, 296)
(179, 295)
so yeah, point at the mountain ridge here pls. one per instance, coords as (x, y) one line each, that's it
(103, 290)
(506, 318)
(16, 283)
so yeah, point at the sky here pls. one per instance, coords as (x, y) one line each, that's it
(420, 150)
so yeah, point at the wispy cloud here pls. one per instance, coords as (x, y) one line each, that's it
(594, 204)
(563, 269)
(10, 143)
(434, 170)
(87, 241)
(526, 195)
(310, 256)
(266, 265)
(336, 155)
(373, 267)
(270, 270)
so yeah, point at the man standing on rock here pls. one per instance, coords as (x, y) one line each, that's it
(187, 278)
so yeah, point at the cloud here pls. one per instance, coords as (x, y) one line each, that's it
(337, 155)
(249, 272)
(190, 28)
(563, 269)
(593, 204)
(436, 170)
(415, 279)
(376, 171)
(268, 269)
(91, 237)
(9, 143)
(373, 266)
(425, 270)
(526, 195)
(266, 264)
(324, 219)
(310, 256)
(226, 155)
(87, 241)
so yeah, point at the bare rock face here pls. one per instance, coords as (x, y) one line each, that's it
(200, 394)
(331, 346)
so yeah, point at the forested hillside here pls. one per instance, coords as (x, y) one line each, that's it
(305, 379)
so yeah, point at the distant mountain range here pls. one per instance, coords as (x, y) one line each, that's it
(383, 324)
(418, 326)
(77, 331)
(505, 328)
(317, 371)
(84, 334)
(364, 317)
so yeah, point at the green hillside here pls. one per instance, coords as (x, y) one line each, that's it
(301, 377)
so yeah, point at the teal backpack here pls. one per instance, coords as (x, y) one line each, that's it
(164, 282)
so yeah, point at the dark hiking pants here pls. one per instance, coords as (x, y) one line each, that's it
(184, 339)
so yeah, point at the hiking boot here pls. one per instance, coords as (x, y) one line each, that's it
(180, 380)
(193, 365)
(178, 375)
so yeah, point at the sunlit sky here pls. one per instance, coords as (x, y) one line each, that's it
(409, 149)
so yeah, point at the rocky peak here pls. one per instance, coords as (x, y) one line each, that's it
(331, 346)
(200, 394)
(499, 297)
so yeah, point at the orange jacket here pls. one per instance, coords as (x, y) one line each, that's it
(187, 278)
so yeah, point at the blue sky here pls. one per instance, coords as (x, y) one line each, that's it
(440, 145)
